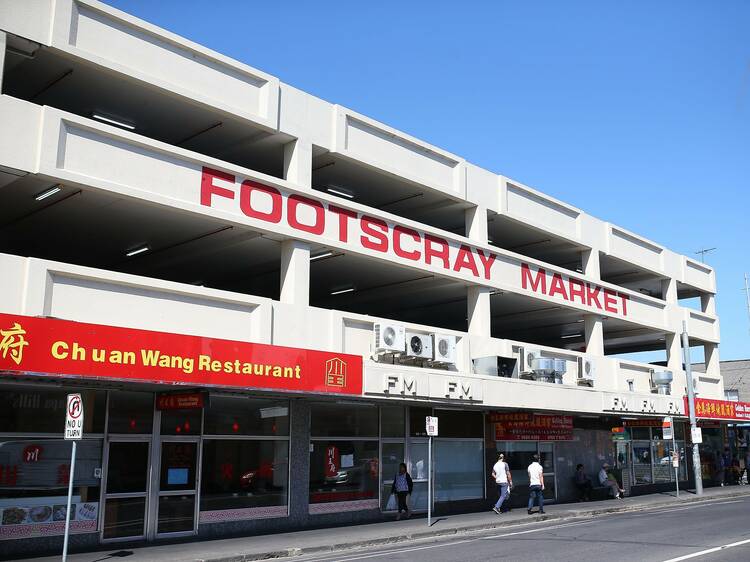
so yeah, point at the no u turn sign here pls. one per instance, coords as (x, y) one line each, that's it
(74, 417)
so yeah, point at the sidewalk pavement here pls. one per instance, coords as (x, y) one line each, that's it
(389, 531)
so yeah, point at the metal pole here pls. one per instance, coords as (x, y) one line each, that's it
(70, 499)
(429, 482)
(676, 468)
(747, 298)
(691, 409)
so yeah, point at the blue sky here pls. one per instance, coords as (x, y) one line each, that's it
(636, 112)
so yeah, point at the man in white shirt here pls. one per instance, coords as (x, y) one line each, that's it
(503, 479)
(536, 484)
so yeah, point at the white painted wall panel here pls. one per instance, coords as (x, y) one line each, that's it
(542, 212)
(699, 275)
(629, 247)
(32, 22)
(125, 44)
(105, 302)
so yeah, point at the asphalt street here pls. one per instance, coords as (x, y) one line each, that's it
(710, 531)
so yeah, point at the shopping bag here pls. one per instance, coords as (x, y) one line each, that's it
(391, 503)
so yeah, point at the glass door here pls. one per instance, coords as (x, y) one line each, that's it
(391, 455)
(176, 497)
(126, 489)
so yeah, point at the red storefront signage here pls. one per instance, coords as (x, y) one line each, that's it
(193, 400)
(720, 409)
(60, 347)
(643, 422)
(333, 461)
(532, 427)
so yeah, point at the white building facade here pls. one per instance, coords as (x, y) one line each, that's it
(154, 192)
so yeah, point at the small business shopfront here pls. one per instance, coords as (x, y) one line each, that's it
(181, 432)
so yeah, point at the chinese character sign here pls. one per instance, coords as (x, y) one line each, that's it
(720, 409)
(532, 427)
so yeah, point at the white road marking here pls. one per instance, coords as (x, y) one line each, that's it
(708, 551)
(671, 509)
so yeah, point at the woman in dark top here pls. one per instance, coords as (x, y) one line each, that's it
(402, 486)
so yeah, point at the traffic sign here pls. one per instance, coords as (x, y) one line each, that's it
(666, 428)
(74, 417)
(696, 435)
(431, 425)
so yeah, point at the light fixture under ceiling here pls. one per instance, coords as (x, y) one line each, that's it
(137, 250)
(321, 255)
(571, 336)
(342, 291)
(48, 192)
(112, 120)
(340, 191)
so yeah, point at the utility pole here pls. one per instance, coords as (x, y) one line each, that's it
(691, 408)
(703, 253)
(747, 298)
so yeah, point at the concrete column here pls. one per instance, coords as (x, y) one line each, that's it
(590, 263)
(593, 328)
(674, 351)
(476, 224)
(478, 302)
(711, 358)
(669, 290)
(295, 272)
(298, 163)
(299, 463)
(708, 303)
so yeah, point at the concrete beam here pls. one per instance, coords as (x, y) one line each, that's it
(593, 327)
(478, 303)
(298, 163)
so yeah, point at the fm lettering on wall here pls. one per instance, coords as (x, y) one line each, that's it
(72, 349)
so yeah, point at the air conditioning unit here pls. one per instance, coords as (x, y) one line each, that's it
(444, 349)
(586, 371)
(525, 356)
(390, 337)
(418, 345)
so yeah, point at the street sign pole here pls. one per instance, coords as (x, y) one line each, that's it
(676, 463)
(429, 482)
(431, 427)
(70, 501)
(73, 432)
(691, 409)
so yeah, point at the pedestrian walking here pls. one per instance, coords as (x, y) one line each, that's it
(611, 483)
(536, 484)
(504, 481)
(402, 486)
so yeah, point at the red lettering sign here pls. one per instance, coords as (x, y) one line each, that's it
(193, 400)
(720, 409)
(333, 461)
(522, 426)
(571, 290)
(72, 349)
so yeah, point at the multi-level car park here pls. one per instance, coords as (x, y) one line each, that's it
(150, 184)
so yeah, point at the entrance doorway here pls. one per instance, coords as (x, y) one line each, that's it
(151, 470)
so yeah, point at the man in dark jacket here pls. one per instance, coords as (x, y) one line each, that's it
(402, 486)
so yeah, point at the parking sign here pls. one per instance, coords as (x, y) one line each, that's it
(74, 417)
(431, 425)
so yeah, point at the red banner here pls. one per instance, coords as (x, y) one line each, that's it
(532, 427)
(64, 348)
(720, 409)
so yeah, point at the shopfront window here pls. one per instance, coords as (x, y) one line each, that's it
(417, 426)
(392, 421)
(343, 470)
(181, 422)
(37, 409)
(344, 453)
(240, 415)
(34, 475)
(520, 454)
(239, 474)
(642, 462)
(130, 413)
(344, 420)
(459, 470)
